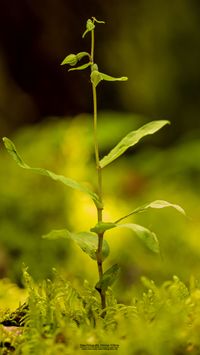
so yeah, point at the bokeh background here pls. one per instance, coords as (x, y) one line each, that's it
(47, 112)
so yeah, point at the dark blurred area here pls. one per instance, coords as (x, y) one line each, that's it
(155, 43)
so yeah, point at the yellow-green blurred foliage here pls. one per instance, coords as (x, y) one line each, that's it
(32, 205)
(10, 296)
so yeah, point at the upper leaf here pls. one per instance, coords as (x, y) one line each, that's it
(154, 204)
(108, 278)
(131, 139)
(81, 67)
(80, 55)
(97, 21)
(97, 76)
(87, 241)
(68, 182)
(148, 238)
(111, 78)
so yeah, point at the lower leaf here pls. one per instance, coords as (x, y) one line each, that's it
(102, 227)
(155, 204)
(108, 278)
(66, 181)
(87, 241)
(148, 238)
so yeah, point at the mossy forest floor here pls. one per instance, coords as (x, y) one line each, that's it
(57, 319)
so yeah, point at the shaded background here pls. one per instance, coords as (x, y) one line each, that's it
(156, 44)
(44, 108)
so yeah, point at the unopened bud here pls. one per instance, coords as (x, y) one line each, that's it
(90, 25)
(71, 59)
(95, 67)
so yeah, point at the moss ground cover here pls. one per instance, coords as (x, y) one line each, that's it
(61, 320)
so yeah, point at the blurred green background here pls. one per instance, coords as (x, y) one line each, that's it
(46, 111)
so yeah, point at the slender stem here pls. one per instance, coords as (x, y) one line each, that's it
(99, 178)
(99, 210)
(96, 148)
(92, 46)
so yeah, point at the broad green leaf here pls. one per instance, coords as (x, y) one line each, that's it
(148, 238)
(81, 67)
(131, 139)
(97, 77)
(87, 241)
(108, 278)
(154, 204)
(66, 181)
(101, 227)
(57, 234)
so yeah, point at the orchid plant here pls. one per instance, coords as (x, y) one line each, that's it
(93, 242)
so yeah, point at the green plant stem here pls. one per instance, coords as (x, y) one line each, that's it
(99, 177)
(96, 148)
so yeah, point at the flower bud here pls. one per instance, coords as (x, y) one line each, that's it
(90, 25)
(71, 59)
(95, 67)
